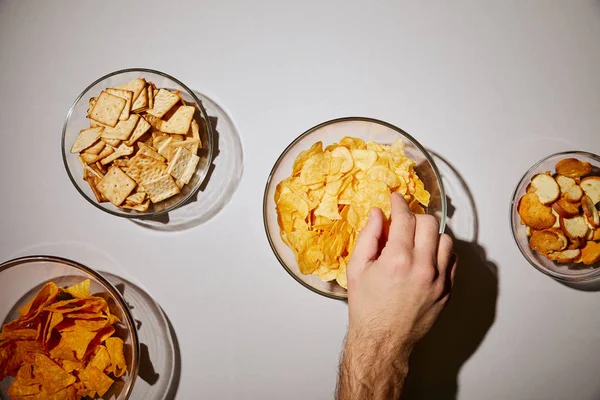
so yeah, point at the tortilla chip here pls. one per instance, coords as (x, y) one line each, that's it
(183, 165)
(55, 319)
(108, 109)
(161, 188)
(180, 121)
(18, 334)
(116, 186)
(73, 344)
(80, 290)
(86, 138)
(118, 365)
(101, 359)
(122, 130)
(163, 102)
(124, 94)
(70, 366)
(95, 380)
(52, 377)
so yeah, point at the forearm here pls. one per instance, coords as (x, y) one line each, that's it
(373, 367)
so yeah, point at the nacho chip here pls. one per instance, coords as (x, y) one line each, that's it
(52, 377)
(183, 165)
(101, 359)
(95, 380)
(86, 138)
(108, 109)
(116, 186)
(114, 347)
(73, 344)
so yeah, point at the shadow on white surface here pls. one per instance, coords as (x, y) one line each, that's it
(221, 182)
(436, 362)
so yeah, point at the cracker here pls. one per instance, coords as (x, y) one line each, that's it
(180, 122)
(124, 94)
(150, 95)
(86, 138)
(161, 188)
(150, 152)
(93, 181)
(108, 109)
(123, 129)
(116, 186)
(136, 86)
(92, 158)
(137, 198)
(123, 150)
(195, 132)
(183, 165)
(141, 127)
(112, 142)
(143, 168)
(138, 207)
(163, 102)
(189, 144)
(97, 148)
(141, 103)
(163, 150)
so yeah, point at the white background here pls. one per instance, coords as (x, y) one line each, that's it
(492, 86)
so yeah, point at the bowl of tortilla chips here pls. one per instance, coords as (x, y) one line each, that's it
(322, 187)
(137, 143)
(67, 333)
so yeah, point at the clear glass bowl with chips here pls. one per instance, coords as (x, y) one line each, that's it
(562, 271)
(77, 120)
(22, 278)
(330, 132)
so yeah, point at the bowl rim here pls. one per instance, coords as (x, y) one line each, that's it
(202, 177)
(109, 286)
(513, 228)
(307, 133)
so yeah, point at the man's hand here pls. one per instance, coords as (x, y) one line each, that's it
(395, 294)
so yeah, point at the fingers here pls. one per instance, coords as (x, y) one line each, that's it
(367, 243)
(426, 236)
(402, 228)
(444, 254)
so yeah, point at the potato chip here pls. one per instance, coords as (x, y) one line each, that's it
(326, 201)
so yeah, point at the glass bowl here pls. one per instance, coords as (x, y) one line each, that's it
(570, 272)
(330, 132)
(22, 278)
(76, 120)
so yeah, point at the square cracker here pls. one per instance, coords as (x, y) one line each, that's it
(194, 132)
(97, 148)
(143, 168)
(116, 186)
(183, 165)
(189, 144)
(136, 86)
(124, 94)
(137, 207)
(180, 122)
(150, 152)
(141, 128)
(108, 109)
(86, 138)
(150, 95)
(161, 188)
(141, 103)
(163, 102)
(137, 198)
(123, 129)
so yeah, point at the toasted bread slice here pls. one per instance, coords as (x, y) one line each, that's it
(569, 189)
(547, 241)
(575, 227)
(546, 188)
(565, 256)
(591, 187)
(590, 254)
(565, 208)
(573, 168)
(535, 214)
(590, 211)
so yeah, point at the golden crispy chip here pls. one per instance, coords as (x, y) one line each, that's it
(108, 109)
(118, 365)
(326, 201)
(101, 359)
(55, 319)
(52, 377)
(80, 290)
(18, 334)
(95, 380)
(73, 343)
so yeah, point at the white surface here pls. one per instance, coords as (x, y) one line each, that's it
(492, 86)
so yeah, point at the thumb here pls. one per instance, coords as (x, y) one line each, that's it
(367, 244)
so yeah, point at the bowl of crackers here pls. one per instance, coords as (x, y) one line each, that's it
(67, 333)
(322, 187)
(137, 143)
(554, 216)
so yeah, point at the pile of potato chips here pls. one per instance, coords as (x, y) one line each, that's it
(141, 146)
(325, 203)
(62, 346)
